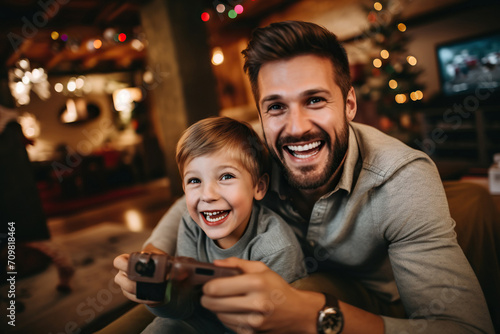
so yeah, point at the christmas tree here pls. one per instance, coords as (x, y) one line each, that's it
(392, 79)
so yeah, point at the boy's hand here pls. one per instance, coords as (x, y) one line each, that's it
(260, 300)
(128, 286)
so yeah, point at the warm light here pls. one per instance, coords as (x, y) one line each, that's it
(220, 8)
(134, 221)
(393, 84)
(122, 37)
(217, 57)
(71, 85)
(413, 96)
(97, 44)
(238, 9)
(400, 98)
(58, 87)
(26, 79)
(377, 63)
(24, 64)
(205, 16)
(80, 82)
(232, 14)
(419, 95)
(54, 35)
(124, 98)
(402, 27)
(411, 60)
(384, 54)
(70, 114)
(30, 125)
(377, 6)
(137, 44)
(20, 88)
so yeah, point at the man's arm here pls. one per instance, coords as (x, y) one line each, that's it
(261, 300)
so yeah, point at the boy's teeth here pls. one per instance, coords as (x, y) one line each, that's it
(306, 147)
(208, 215)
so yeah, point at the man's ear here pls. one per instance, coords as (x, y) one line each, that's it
(350, 105)
(261, 187)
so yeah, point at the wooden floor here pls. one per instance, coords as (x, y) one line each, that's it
(136, 212)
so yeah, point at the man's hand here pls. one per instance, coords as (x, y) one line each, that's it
(260, 300)
(129, 287)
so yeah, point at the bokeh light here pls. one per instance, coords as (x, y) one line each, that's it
(384, 54)
(238, 9)
(205, 16)
(377, 63)
(232, 14)
(54, 35)
(393, 84)
(411, 60)
(402, 27)
(377, 6)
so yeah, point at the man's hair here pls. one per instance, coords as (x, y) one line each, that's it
(215, 134)
(284, 40)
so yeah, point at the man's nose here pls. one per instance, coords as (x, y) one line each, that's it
(298, 122)
(209, 192)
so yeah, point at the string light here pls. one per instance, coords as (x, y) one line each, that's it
(232, 14)
(411, 60)
(384, 54)
(64, 37)
(238, 9)
(400, 98)
(54, 35)
(402, 27)
(58, 87)
(220, 8)
(122, 37)
(393, 84)
(377, 6)
(97, 44)
(205, 16)
(377, 63)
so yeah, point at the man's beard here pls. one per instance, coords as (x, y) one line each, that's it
(304, 179)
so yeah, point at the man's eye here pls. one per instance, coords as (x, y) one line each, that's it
(227, 177)
(193, 180)
(315, 100)
(274, 107)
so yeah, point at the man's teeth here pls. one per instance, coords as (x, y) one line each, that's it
(215, 213)
(300, 148)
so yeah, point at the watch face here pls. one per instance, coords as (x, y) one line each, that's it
(332, 321)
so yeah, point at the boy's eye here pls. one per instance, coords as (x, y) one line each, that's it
(193, 180)
(227, 177)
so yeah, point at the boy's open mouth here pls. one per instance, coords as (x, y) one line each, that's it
(304, 151)
(215, 216)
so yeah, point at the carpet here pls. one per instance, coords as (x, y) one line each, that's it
(94, 296)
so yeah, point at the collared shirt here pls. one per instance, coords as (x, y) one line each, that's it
(387, 225)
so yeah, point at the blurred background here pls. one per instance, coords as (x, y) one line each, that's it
(95, 94)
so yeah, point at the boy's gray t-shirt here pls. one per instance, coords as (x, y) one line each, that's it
(267, 238)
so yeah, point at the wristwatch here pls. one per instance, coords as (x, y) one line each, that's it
(330, 318)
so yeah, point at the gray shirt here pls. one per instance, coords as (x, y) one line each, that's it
(388, 225)
(267, 238)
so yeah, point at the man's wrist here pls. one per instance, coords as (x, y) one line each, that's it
(312, 302)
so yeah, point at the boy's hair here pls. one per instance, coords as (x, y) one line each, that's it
(284, 40)
(214, 134)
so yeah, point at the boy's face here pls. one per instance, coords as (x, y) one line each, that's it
(219, 196)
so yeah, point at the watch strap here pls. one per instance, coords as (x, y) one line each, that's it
(331, 301)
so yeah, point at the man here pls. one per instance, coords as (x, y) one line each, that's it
(364, 206)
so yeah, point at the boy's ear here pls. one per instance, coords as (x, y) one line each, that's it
(261, 187)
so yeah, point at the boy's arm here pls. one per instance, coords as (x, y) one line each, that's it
(164, 235)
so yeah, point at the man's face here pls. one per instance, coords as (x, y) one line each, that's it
(304, 118)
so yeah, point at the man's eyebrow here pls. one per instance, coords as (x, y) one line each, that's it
(272, 97)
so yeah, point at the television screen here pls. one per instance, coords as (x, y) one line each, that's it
(470, 64)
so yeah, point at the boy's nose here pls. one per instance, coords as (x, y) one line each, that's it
(209, 192)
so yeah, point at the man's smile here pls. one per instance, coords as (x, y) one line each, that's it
(304, 151)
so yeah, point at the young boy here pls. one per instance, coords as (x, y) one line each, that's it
(222, 165)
